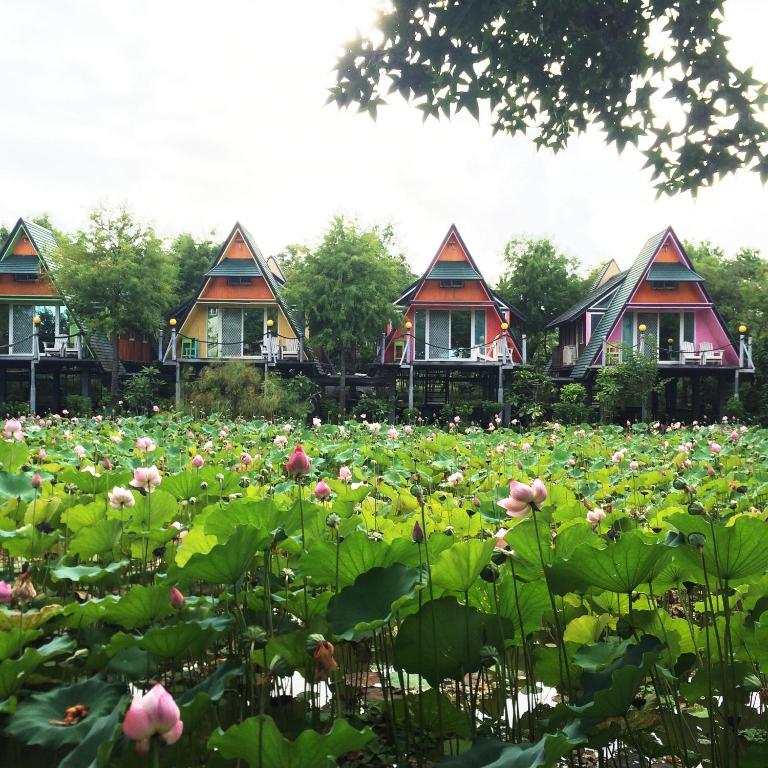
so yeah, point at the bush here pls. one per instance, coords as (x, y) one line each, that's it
(450, 410)
(12, 408)
(572, 407)
(78, 405)
(374, 408)
(239, 389)
(734, 408)
(530, 395)
(142, 391)
(630, 383)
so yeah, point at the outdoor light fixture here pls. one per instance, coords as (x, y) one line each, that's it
(270, 323)
(504, 326)
(172, 322)
(642, 327)
(742, 328)
(408, 325)
(36, 319)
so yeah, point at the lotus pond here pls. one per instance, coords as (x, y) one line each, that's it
(178, 592)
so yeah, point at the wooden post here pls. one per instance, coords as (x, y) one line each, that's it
(642, 342)
(525, 350)
(410, 386)
(381, 347)
(79, 344)
(605, 351)
(32, 366)
(174, 357)
(160, 350)
(301, 349)
(500, 388)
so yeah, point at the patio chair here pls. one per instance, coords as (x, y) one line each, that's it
(58, 348)
(688, 354)
(490, 353)
(709, 355)
(291, 349)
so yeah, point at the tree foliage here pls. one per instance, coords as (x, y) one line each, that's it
(553, 68)
(345, 289)
(193, 258)
(117, 277)
(629, 383)
(542, 283)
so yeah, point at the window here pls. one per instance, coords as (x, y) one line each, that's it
(212, 330)
(689, 326)
(452, 284)
(30, 277)
(664, 285)
(239, 280)
(441, 334)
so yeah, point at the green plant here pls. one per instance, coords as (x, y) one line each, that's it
(530, 394)
(572, 407)
(375, 408)
(734, 408)
(450, 410)
(239, 389)
(143, 390)
(78, 405)
(15, 408)
(629, 383)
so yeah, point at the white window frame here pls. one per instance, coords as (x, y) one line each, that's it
(427, 335)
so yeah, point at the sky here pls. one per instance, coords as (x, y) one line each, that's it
(196, 114)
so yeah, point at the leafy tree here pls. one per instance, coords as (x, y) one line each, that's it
(4, 232)
(542, 283)
(631, 382)
(345, 289)
(117, 276)
(553, 68)
(194, 258)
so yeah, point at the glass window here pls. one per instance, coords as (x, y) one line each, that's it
(420, 334)
(22, 328)
(231, 332)
(270, 313)
(439, 334)
(461, 334)
(479, 328)
(5, 327)
(63, 328)
(47, 329)
(669, 335)
(628, 329)
(213, 332)
(253, 331)
(689, 326)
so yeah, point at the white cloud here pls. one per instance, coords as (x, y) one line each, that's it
(197, 114)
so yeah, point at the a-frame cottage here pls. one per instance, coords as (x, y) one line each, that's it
(455, 330)
(659, 307)
(238, 311)
(45, 355)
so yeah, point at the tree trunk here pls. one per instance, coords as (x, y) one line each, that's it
(114, 385)
(343, 384)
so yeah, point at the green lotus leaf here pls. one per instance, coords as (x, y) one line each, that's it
(81, 516)
(741, 546)
(444, 639)
(87, 574)
(195, 701)
(12, 642)
(371, 600)
(620, 567)
(227, 563)
(180, 640)
(38, 720)
(139, 607)
(263, 514)
(101, 538)
(90, 484)
(259, 743)
(13, 620)
(530, 604)
(13, 455)
(457, 568)
(13, 672)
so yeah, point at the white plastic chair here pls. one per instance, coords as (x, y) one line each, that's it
(291, 348)
(709, 355)
(688, 354)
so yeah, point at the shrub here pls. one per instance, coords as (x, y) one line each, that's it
(375, 408)
(734, 408)
(142, 391)
(629, 383)
(572, 407)
(529, 394)
(78, 405)
(238, 389)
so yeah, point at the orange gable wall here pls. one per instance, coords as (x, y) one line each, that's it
(42, 287)
(237, 249)
(452, 252)
(472, 292)
(217, 288)
(685, 293)
(669, 254)
(24, 247)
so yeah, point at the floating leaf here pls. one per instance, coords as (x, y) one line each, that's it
(227, 563)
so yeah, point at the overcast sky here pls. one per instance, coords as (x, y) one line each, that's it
(197, 114)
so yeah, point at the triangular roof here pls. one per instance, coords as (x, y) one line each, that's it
(621, 297)
(272, 280)
(46, 247)
(599, 291)
(436, 270)
(607, 271)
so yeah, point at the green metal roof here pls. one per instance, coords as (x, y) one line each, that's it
(676, 272)
(20, 265)
(615, 308)
(44, 241)
(591, 298)
(453, 270)
(235, 268)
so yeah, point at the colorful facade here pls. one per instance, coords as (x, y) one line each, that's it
(452, 317)
(238, 311)
(659, 306)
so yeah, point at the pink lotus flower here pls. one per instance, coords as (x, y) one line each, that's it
(79, 451)
(522, 496)
(345, 474)
(322, 490)
(5, 593)
(299, 463)
(526, 447)
(155, 409)
(595, 516)
(633, 465)
(393, 433)
(119, 498)
(154, 713)
(715, 447)
(417, 533)
(177, 598)
(197, 461)
(11, 426)
(146, 478)
(42, 453)
(513, 507)
(407, 429)
(280, 441)
(145, 444)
